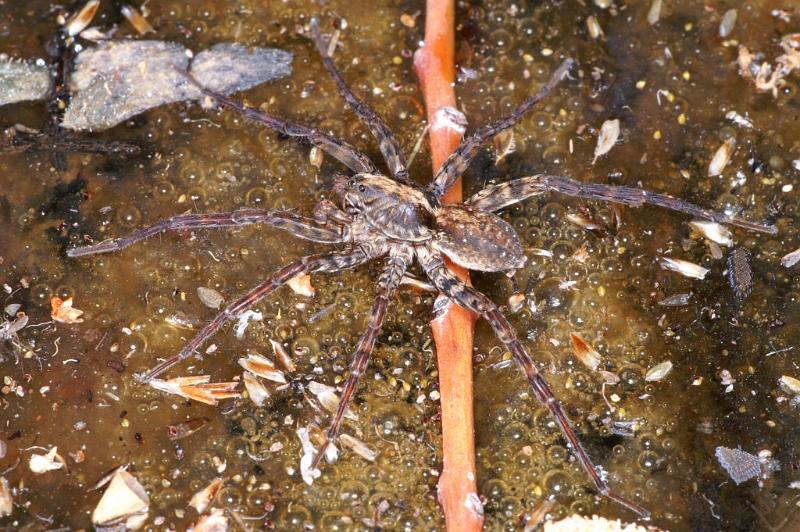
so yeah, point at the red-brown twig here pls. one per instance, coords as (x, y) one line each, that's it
(453, 331)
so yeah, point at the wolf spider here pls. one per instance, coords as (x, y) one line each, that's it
(393, 216)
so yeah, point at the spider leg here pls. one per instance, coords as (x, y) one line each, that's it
(297, 225)
(459, 160)
(327, 262)
(469, 298)
(505, 194)
(388, 282)
(389, 146)
(339, 149)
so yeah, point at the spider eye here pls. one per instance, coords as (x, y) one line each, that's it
(362, 188)
(351, 183)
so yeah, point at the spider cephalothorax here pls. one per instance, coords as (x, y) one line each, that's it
(391, 216)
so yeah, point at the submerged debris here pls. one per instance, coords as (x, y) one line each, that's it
(327, 397)
(676, 300)
(504, 145)
(683, 267)
(789, 385)
(742, 466)
(728, 22)
(125, 503)
(740, 274)
(301, 285)
(308, 473)
(654, 13)
(214, 521)
(609, 133)
(358, 447)
(80, 20)
(136, 19)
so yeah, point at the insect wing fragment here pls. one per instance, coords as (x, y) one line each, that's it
(740, 465)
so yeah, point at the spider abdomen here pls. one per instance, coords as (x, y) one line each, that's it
(477, 240)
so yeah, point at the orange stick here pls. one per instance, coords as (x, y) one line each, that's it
(452, 332)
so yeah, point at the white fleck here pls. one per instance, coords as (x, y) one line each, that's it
(722, 157)
(684, 267)
(609, 133)
(728, 22)
(790, 259)
(473, 502)
(307, 459)
(244, 320)
(713, 231)
(658, 372)
(42, 463)
(739, 120)
(654, 14)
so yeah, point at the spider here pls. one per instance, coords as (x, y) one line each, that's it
(394, 217)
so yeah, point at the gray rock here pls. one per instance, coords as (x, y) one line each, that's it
(23, 80)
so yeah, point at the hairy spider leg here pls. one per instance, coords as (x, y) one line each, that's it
(471, 299)
(390, 148)
(505, 194)
(296, 225)
(326, 262)
(459, 160)
(346, 153)
(390, 279)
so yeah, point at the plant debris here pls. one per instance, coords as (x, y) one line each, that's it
(263, 367)
(256, 390)
(63, 312)
(42, 463)
(766, 78)
(301, 285)
(683, 267)
(358, 447)
(721, 157)
(609, 133)
(6, 498)
(201, 500)
(209, 297)
(585, 352)
(124, 504)
(658, 372)
(198, 388)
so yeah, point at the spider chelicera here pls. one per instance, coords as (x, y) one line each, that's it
(396, 218)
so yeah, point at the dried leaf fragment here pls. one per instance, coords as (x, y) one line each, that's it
(256, 390)
(358, 447)
(136, 19)
(721, 157)
(42, 463)
(301, 285)
(676, 300)
(609, 133)
(789, 384)
(6, 498)
(595, 30)
(658, 372)
(63, 312)
(713, 231)
(263, 367)
(198, 388)
(328, 398)
(283, 356)
(125, 502)
(684, 267)
(82, 18)
(201, 500)
(585, 352)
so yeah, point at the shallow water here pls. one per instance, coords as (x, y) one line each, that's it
(75, 381)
